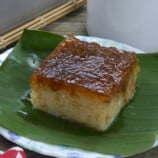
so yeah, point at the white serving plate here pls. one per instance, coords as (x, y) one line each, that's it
(58, 150)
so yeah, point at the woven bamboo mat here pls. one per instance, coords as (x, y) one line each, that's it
(40, 21)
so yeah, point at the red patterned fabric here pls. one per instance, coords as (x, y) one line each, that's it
(15, 152)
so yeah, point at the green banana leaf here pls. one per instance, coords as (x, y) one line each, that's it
(134, 130)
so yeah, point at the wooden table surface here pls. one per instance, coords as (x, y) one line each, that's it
(74, 23)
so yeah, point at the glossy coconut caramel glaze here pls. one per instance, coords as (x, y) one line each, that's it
(86, 65)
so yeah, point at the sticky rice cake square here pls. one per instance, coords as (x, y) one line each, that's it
(84, 82)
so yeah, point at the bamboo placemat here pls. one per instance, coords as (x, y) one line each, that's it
(40, 21)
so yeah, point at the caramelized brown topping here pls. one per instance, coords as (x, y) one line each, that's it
(87, 65)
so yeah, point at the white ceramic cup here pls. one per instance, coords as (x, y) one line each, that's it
(134, 22)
